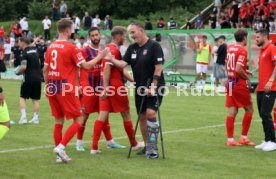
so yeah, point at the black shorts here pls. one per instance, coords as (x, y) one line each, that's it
(149, 102)
(31, 90)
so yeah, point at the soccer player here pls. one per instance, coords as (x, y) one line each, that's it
(237, 89)
(90, 101)
(4, 115)
(112, 100)
(146, 59)
(60, 73)
(266, 89)
(203, 57)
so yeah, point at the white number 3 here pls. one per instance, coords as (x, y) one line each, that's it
(53, 63)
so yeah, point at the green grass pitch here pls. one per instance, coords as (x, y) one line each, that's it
(194, 137)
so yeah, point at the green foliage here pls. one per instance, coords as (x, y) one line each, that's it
(38, 10)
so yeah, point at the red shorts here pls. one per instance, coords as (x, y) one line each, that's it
(115, 102)
(65, 106)
(89, 104)
(238, 97)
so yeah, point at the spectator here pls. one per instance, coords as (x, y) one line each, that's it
(76, 23)
(54, 10)
(213, 21)
(108, 24)
(7, 47)
(63, 9)
(87, 21)
(2, 55)
(46, 26)
(224, 22)
(96, 21)
(199, 21)
(264, 23)
(15, 53)
(217, 4)
(148, 25)
(160, 24)
(2, 33)
(172, 24)
(243, 15)
(13, 29)
(24, 26)
(234, 14)
(188, 24)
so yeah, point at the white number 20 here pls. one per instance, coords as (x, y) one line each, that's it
(53, 63)
(231, 61)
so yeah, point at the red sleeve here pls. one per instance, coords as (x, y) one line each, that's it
(273, 53)
(84, 54)
(77, 56)
(242, 58)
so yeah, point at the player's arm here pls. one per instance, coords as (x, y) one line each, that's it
(118, 63)
(198, 49)
(23, 66)
(240, 71)
(98, 58)
(45, 72)
(127, 76)
(269, 84)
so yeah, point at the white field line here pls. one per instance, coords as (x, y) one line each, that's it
(118, 138)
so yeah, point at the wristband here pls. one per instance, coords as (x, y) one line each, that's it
(156, 77)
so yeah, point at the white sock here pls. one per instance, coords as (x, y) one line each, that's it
(61, 146)
(23, 112)
(203, 83)
(198, 83)
(111, 141)
(230, 139)
(79, 141)
(35, 114)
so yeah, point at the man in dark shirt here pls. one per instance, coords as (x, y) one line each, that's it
(146, 57)
(148, 25)
(219, 72)
(16, 51)
(31, 84)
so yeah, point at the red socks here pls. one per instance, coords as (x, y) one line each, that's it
(130, 132)
(58, 134)
(246, 123)
(107, 131)
(98, 126)
(230, 126)
(81, 130)
(70, 132)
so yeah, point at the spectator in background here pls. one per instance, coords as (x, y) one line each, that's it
(87, 21)
(2, 55)
(7, 47)
(76, 23)
(63, 9)
(213, 21)
(172, 25)
(24, 26)
(264, 23)
(54, 10)
(2, 33)
(148, 25)
(217, 4)
(199, 21)
(233, 12)
(243, 15)
(108, 23)
(96, 22)
(15, 53)
(46, 26)
(224, 22)
(160, 24)
(188, 24)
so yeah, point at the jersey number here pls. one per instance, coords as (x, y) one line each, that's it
(231, 61)
(53, 63)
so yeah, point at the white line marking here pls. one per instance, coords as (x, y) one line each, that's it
(118, 138)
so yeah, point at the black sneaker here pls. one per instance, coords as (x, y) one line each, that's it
(142, 152)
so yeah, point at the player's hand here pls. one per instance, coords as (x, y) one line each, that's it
(103, 95)
(151, 91)
(2, 99)
(104, 52)
(268, 86)
(249, 73)
(256, 89)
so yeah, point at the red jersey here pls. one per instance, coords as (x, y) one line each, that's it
(267, 57)
(2, 33)
(2, 53)
(236, 54)
(243, 12)
(116, 74)
(90, 77)
(63, 60)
